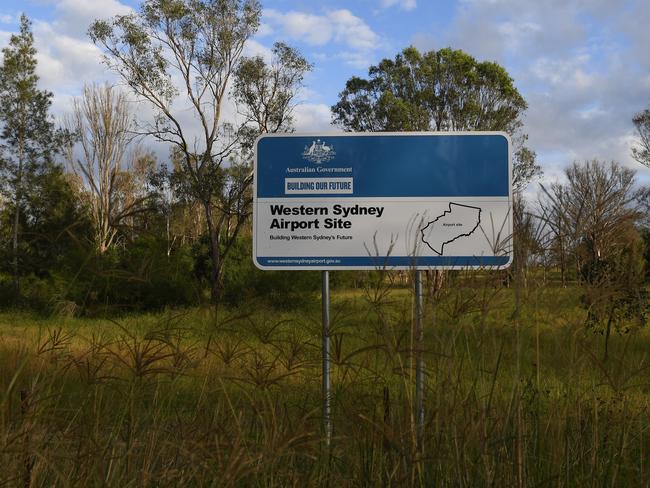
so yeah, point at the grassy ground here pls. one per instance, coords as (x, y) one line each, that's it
(198, 398)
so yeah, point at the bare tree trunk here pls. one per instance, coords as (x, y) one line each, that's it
(215, 255)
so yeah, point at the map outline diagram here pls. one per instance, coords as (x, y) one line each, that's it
(431, 223)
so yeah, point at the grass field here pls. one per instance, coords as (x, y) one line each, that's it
(232, 398)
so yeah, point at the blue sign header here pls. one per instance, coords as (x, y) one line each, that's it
(413, 165)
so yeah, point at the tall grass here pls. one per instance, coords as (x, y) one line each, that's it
(197, 399)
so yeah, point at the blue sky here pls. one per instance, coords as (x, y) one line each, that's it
(582, 65)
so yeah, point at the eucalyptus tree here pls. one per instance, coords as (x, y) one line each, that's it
(444, 90)
(196, 48)
(29, 139)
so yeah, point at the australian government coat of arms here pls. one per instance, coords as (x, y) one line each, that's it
(318, 152)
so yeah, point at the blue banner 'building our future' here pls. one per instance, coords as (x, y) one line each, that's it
(382, 200)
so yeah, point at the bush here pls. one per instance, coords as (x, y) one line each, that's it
(142, 277)
(8, 298)
(281, 289)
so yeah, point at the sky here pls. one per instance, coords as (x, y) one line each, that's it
(583, 66)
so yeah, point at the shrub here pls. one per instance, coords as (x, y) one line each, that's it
(280, 289)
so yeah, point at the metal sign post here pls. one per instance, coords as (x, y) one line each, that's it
(326, 389)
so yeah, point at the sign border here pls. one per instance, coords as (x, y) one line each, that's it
(375, 134)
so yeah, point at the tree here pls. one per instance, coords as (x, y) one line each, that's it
(199, 42)
(102, 123)
(445, 90)
(642, 150)
(589, 213)
(29, 139)
(593, 216)
(54, 225)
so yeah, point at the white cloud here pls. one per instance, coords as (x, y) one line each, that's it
(4, 37)
(65, 62)
(356, 59)
(313, 29)
(352, 31)
(254, 48)
(581, 65)
(335, 26)
(8, 19)
(568, 73)
(307, 95)
(311, 117)
(264, 30)
(75, 16)
(633, 24)
(66, 57)
(515, 34)
(402, 4)
(645, 81)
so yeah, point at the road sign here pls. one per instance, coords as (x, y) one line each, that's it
(388, 200)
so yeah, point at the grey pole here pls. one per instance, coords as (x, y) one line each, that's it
(326, 392)
(419, 362)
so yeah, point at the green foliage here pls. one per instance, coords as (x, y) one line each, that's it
(28, 139)
(54, 223)
(645, 235)
(54, 229)
(438, 90)
(202, 42)
(62, 269)
(143, 277)
(243, 282)
(8, 295)
(615, 297)
(266, 91)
